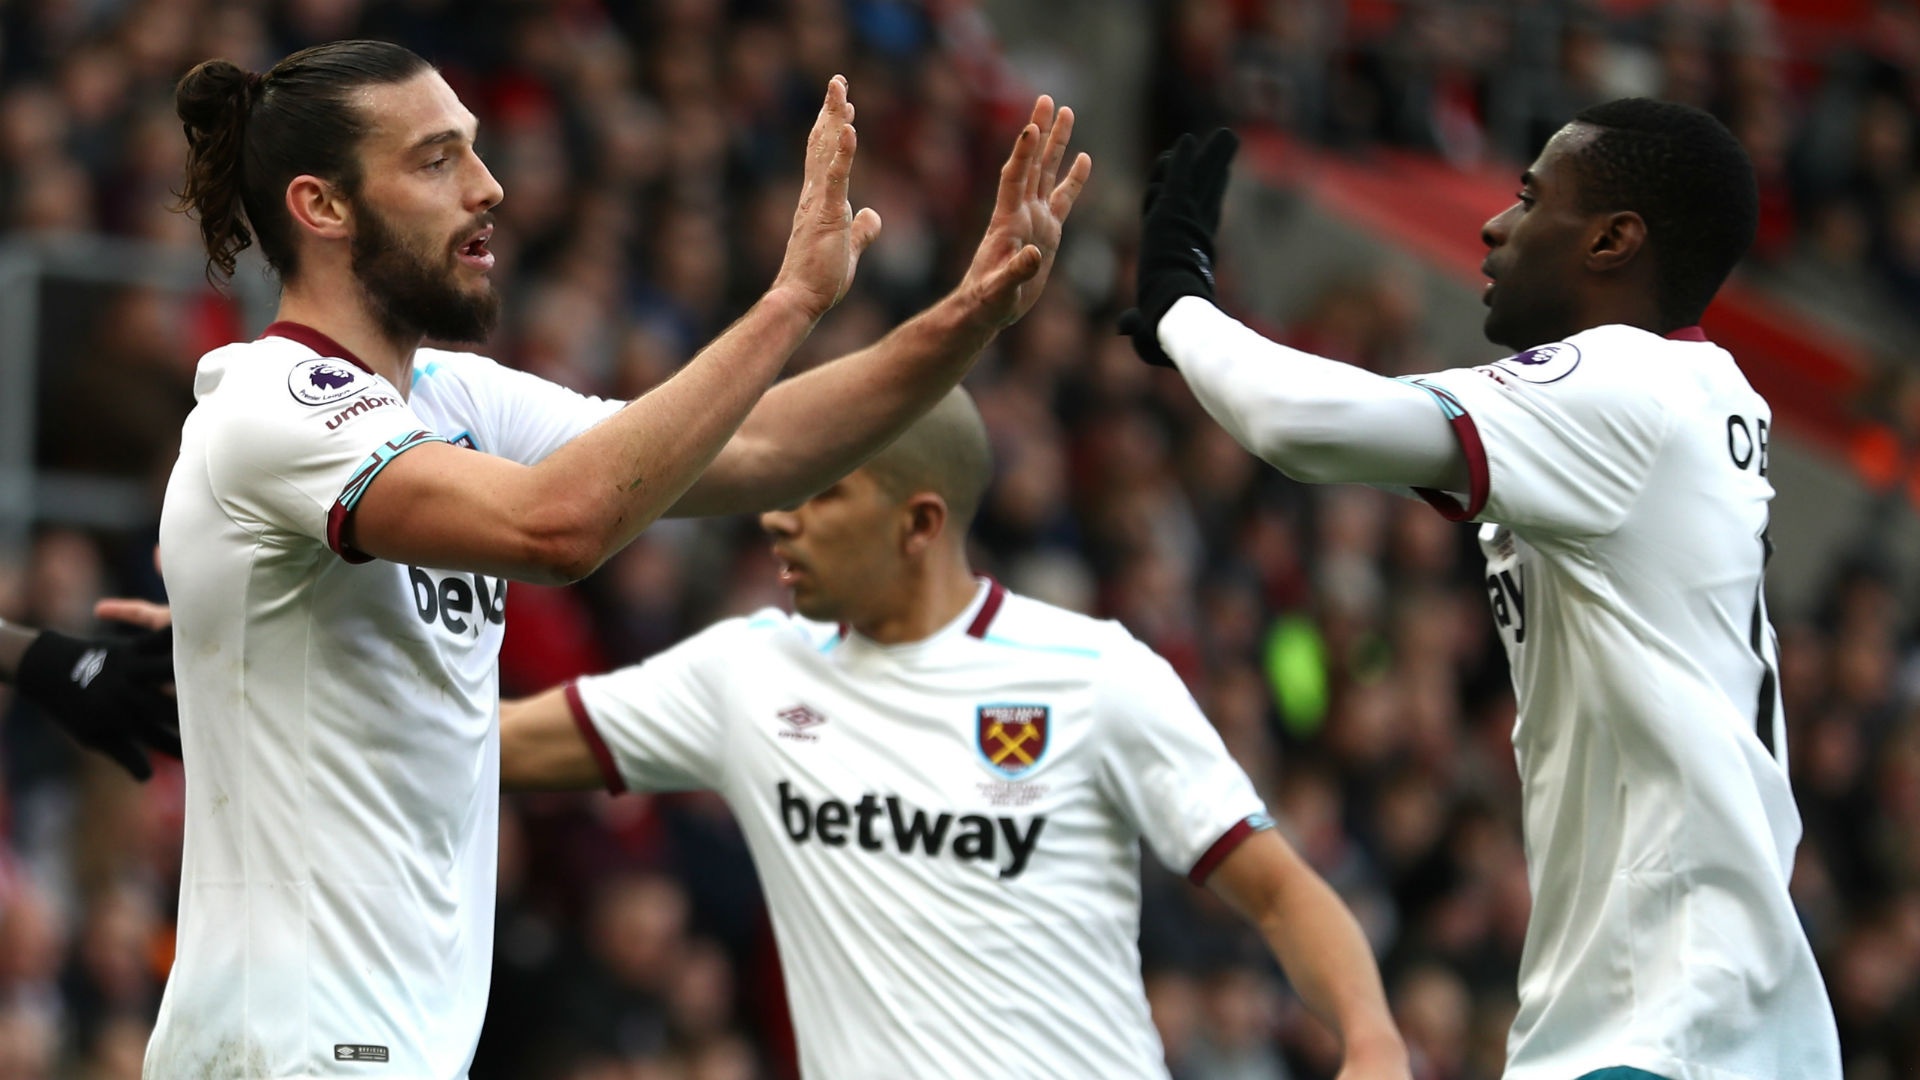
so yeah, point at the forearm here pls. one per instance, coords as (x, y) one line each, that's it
(1315, 419)
(542, 749)
(1330, 965)
(617, 478)
(14, 640)
(814, 428)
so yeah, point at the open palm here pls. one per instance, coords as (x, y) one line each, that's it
(1011, 266)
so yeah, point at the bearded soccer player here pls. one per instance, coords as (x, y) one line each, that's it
(1617, 463)
(944, 786)
(348, 507)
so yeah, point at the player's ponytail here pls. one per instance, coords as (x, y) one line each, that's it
(213, 102)
(249, 135)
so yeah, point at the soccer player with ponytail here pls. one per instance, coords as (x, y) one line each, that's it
(349, 505)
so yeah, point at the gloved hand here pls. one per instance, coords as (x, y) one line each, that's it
(111, 694)
(1178, 219)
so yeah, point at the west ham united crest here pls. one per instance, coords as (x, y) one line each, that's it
(1013, 738)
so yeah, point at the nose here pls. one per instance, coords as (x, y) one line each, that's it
(779, 523)
(487, 191)
(1494, 232)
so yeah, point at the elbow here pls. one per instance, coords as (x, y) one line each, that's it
(563, 545)
(1297, 451)
(1306, 465)
(566, 560)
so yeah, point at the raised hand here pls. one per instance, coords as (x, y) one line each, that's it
(1011, 265)
(1178, 222)
(828, 237)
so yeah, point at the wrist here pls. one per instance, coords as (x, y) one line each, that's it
(1377, 1044)
(965, 315)
(1162, 290)
(792, 302)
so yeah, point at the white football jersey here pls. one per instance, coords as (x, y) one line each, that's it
(1622, 478)
(948, 830)
(339, 718)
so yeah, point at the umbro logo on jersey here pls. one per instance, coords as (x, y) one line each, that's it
(798, 719)
(874, 820)
(358, 1052)
(321, 382)
(364, 405)
(1013, 738)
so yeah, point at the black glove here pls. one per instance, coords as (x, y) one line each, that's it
(1180, 216)
(111, 694)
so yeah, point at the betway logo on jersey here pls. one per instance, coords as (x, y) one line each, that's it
(880, 822)
(459, 603)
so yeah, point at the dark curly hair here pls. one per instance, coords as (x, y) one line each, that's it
(249, 135)
(1688, 178)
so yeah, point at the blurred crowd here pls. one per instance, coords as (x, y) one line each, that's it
(1822, 92)
(1337, 637)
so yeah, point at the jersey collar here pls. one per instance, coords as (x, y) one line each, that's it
(996, 595)
(977, 617)
(315, 340)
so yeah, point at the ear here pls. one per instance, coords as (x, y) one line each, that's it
(319, 207)
(925, 522)
(1621, 236)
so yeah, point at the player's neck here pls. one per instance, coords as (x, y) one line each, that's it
(929, 600)
(1637, 307)
(344, 317)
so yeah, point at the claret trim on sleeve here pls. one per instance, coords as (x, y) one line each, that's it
(616, 784)
(1231, 839)
(363, 476)
(1472, 448)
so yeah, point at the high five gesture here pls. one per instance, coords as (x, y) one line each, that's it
(828, 236)
(1012, 263)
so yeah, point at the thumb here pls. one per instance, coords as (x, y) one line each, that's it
(1015, 272)
(866, 226)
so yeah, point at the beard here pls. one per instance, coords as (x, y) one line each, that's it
(412, 294)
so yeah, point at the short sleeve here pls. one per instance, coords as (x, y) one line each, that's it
(658, 725)
(1166, 768)
(279, 462)
(524, 417)
(1553, 440)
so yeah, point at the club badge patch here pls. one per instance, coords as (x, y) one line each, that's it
(320, 382)
(1012, 738)
(1545, 364)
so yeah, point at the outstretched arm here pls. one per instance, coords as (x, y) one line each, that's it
(1315, 419)
(814, 428)
(1321, 947)
(437, 505)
